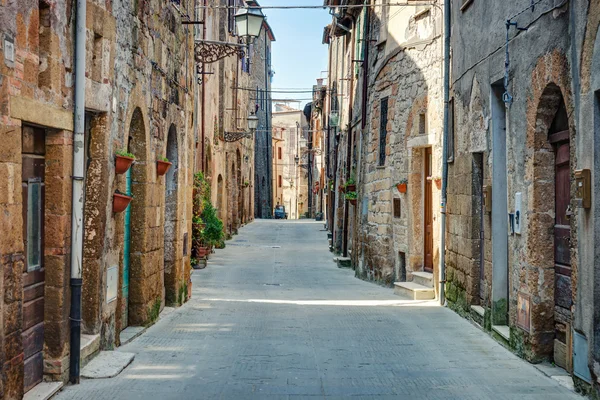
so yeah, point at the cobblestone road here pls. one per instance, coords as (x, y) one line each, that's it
(272, 317)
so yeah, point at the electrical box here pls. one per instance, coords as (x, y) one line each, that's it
(487, 198)
(518, 213)
(583, 184)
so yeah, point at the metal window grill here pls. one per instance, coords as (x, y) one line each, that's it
(383, 121)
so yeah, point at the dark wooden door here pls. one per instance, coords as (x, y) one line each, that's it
(33, 152)
(562, 225)
(428, 213)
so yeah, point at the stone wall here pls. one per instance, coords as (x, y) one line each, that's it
(409, 78)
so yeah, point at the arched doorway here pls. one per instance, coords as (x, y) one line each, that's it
(133, 304)
(240, 189)
(170, 236)
(220, 196)
(234, 198)
(549, 225)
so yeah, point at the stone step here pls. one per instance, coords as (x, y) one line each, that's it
(501, 332)
(43, 391)
(478, 315)
(414, 291)
(343, 262)
(423, 278)
(90, 346)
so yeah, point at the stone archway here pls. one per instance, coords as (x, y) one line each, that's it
(170, 267)
(546, 276)
(241, 197)
(220, 196)
(234, 198)
(141, 265)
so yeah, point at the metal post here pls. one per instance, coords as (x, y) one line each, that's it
(78, 191)
(447, 19)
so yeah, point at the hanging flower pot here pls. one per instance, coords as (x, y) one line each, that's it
(351, 188)
(162, 166)
(123, 161)
(120, 202)
(401, 187)
(352, 201)
(438, 182)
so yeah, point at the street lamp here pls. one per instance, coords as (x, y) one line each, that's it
(252, 122)
(248, 22)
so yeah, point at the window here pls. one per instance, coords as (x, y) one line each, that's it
(450, 131)
(34, 224)
(383, 121)
(280, 181)
(279, 155)
(422, 124)
(397, 208)
(231, 4)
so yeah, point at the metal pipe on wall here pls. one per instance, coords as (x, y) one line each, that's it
(447, 20)
(78, 191)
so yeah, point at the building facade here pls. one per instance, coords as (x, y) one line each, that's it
(289, 142)
(146, 96)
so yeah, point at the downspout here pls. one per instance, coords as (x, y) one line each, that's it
(269, 137)
(78, 192)
(350, 134)
(203, 167)
(447, 20)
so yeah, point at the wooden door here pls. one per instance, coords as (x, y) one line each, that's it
(428, 214)
(126, 255)
(33, 168)
(562, 224)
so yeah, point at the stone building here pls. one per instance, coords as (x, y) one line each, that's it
(387, 130)
(289, 142)
(522, 246)
(143, 96)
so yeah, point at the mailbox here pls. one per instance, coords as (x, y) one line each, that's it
(487, 198)
(583, 191)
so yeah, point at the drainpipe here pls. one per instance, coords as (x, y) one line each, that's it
(203, 162)
(349, 141)
(78, 192)
(445, 150)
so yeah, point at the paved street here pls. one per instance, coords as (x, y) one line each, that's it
(272, 317)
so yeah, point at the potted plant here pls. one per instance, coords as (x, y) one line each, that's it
(438, 181)
(123, 161)
(162, 166)
(351, 184)
(246, 183)
(120, 201)
(402, 185)
(351, 197)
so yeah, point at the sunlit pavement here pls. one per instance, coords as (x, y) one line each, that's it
(272, 317)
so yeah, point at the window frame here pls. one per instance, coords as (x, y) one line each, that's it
(383, 111)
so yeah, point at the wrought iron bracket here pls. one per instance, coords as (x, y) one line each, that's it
(236, 136)
(208, 52)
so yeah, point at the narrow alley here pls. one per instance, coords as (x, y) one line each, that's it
(273, 317)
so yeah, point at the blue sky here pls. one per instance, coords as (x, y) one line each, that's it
(298, 54)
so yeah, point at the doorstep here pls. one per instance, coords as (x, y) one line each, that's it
(132, 332)
(503, 331)
(43, 391)
(107, 364)
(557, 373)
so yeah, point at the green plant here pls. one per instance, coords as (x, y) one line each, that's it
(163, 159)
(212, 232)
(352, 179)
(403, 181)
(154, 311)
(351, 195)
(124, 153)
(183, 293)
(246, 183)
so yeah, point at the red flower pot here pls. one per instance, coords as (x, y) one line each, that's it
(351, 188)
(202, 251)
(352, 201)
(122, 164)
(438, 183)
(401, 187)
(162, 167)
(120, 202)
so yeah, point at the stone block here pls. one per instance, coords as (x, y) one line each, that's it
(58, 194)
(13, 378)
(10, 175)
(56, 270)
(10, 146)
(13, 317)
(57, 230)
(13, 345)
(13, 281)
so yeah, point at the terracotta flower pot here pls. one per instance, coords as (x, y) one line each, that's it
(122, 164)
(401, 187)
(352, 201)
(202, 251)
(162, 167)
(342, 189)
(438, 183)
(120, 202)
(351, 188)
